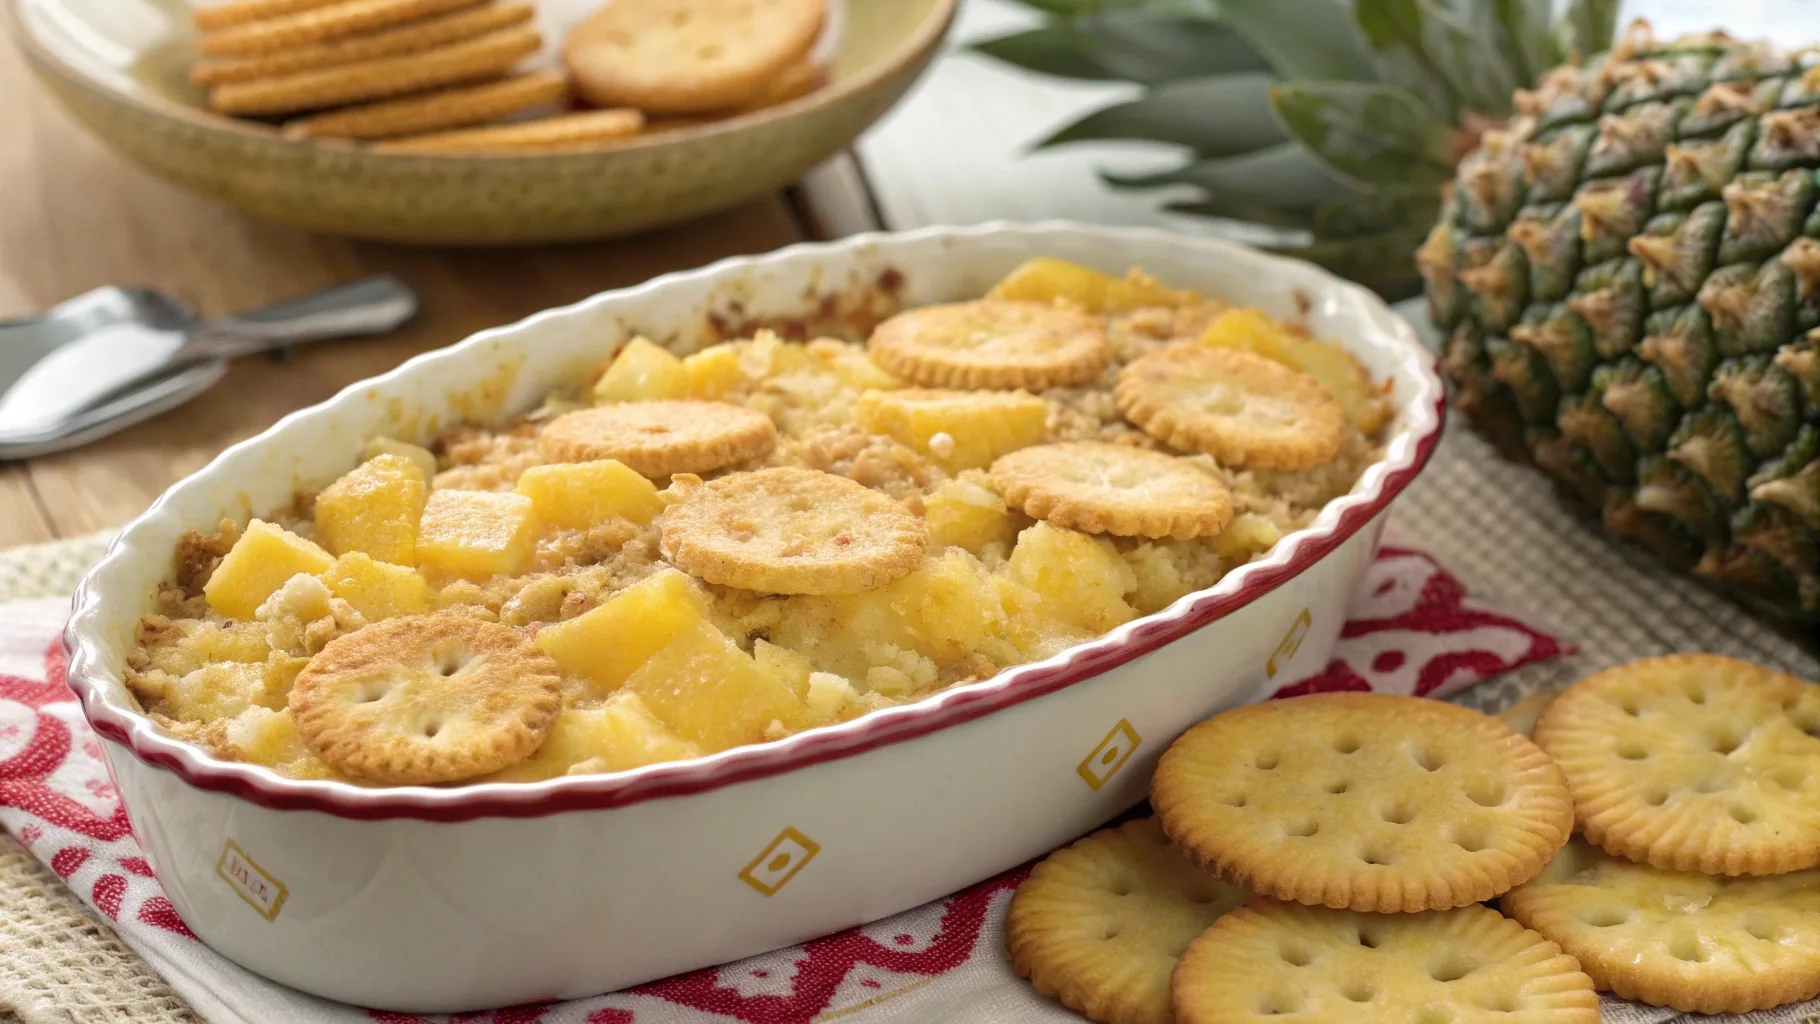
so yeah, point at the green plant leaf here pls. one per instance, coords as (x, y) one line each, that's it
(1524, 35)
(1469, 58)
(1208, 9)
(1048, 50)
(1283, 177)
(1363, 214)
(1151, 48)
(1373, 135)
(1396, 33)
(1587, 27)
(1383, 262)
(1220, 116)
(1301, 38)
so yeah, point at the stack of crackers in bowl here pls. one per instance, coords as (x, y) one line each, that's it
(450, 76)
(1334, 857)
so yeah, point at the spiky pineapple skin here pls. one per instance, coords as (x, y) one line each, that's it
(1628, 282)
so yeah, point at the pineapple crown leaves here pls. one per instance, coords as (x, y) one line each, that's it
(1335, 120)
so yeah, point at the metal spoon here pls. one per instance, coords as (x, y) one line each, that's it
(110, 358)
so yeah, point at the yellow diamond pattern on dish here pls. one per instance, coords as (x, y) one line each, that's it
(577, 495)
(259, 563)
(609, 643)
(476, 533)
(377, 590)
(958, 429)
(642, 372)
(1047, 280)
(711, 693)
(374, 509)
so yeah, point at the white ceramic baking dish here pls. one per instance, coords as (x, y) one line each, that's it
(424, 899)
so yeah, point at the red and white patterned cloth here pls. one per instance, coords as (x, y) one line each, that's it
(1413, 630)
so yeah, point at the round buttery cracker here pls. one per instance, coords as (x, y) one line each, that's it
(689, 56)
(992, 344)
(793, 531)
(1269, 961)
(1693, 762)
(1239, 407)
(1098, 925)
(1110, 488)
(659, 439)
(1363, 801)
(1697, 943)
(424, 699)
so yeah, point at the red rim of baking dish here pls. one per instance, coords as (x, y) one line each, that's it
(262, 786)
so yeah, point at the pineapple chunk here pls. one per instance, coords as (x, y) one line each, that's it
(713, 372)
(713, 694)
(852, 366)
(1331, 366)
(615, 736)
(964, 514)
(377, 590)
(642, 372)
(259, 563)
(1247, 534)
(374, 509)
(609, 643)
(1046, 280)
(958, 429)
(786, 666)
(949, 606)
(220, 689)
(426, 462)
(1079, 580)
(476, 533)
(264, 736)
(578, 495)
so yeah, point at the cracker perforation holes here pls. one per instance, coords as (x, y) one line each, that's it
(1689, 949)
(1279, 1002)
(1346, 744)
(1789, 778)
(1451, 970)
(1604, 917)
(1696, 692)
(1741, 814)
(1236, 800)
(1398, 813)
(1367, 939)
(1628, 704)
(1120, 888)
(1724, 742)
(1376, 856)
(1295, 956)
(1265, 762)
(1428, 760)
(1710, 784)
(1302, 829)
(1499, 1002)
(372, 692)
(1338, 786)
(1656, 797)
(1763, 930)
(1358, 990)
(1110, 932)
(1468, 838)
(1631, 750)
(1487, 792)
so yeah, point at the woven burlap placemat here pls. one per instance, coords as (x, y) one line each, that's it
(1497, 526)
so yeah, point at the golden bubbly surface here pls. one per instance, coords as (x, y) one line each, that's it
(664, 655)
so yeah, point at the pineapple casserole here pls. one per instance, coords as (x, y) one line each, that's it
(692, 554)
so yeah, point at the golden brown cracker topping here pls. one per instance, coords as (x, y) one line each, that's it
(1109, 488)
(1241, 408)
(992, 344)
(689, 56)
(793, 531)
(425, 699)
(1364, 801)
(659, 439)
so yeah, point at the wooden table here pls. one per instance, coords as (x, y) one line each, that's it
(74, 216)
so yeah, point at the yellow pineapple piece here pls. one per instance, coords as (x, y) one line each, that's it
(426, 462)
(963, 513)
(852, 366)
(476, 533)
(260, 562)
(220, 689)
(377, 590)
(1247, 534)
(1331, 366)
(375, 509)
(713, 694)
(958, 429)
(830, 699)
(786, 666)
(616, 735)
(578, 495)
(713, 372)
(949, 606)
(262, 735)
(768, 355)
(642, 372)
(609, 643)
(1046, 280)
(1079, 580)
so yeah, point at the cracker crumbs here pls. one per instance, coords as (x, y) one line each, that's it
(756, 539)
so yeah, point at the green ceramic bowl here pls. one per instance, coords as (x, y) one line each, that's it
(117, 65)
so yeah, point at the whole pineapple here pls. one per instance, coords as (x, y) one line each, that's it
(1629, 280)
